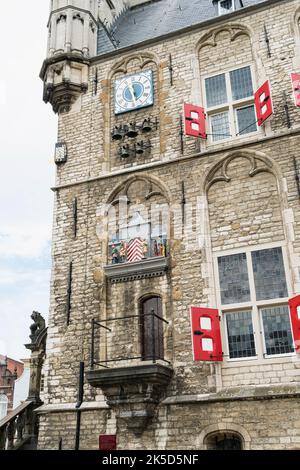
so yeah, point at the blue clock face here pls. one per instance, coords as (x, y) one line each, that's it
(134, 92)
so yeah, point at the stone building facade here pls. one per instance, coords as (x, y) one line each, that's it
(223, 232)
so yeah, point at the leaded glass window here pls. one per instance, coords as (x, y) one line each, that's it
(269, 274)
(246, 120)
(277, 330)
(220, 125)
(241, 83)
(216, 92)
(240, 334)
(234, 280)
(230, 104)
(253, 297)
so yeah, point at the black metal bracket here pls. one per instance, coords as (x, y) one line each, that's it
(95, 91)
(183, 201)
(286, 109)
(69, 293)
(267, 40)
(181, 133)
(75, 214)
(171, 69)
(297, 178)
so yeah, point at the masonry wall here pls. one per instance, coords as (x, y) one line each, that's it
(253, 207)
(263, 425)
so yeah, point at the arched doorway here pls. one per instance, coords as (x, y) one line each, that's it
(224, 441)
(152, 339)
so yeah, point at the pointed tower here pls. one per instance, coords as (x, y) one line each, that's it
(72, 40)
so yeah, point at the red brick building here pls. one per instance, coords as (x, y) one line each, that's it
(10, 370)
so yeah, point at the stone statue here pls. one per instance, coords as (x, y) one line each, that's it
(38, 325)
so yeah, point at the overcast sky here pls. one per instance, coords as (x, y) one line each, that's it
(27, 138)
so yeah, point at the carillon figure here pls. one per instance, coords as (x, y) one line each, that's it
(123, 252)
(115, 254)
(161, 247)
(155, 248)
(145, 248)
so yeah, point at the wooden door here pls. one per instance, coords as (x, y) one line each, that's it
(152, 330)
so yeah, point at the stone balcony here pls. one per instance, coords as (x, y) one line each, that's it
(133, 391)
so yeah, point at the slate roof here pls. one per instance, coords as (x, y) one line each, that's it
(157, 18)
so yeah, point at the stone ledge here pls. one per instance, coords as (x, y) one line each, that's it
(248, 393)
(64, 407)
(151, 267)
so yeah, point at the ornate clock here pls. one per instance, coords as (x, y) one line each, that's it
(134, 92)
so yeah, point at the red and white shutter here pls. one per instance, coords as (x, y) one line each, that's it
(194, 121)
(295, 318)
(263, 103)
(135, 250)
(206, 334)
(296, 88)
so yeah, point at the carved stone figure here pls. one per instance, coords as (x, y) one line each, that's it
(38, 325)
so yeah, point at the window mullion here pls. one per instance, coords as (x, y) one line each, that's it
(230, 105)
(255, 311)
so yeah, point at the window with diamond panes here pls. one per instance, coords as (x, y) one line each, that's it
(230, 104)
(277, 330)
(234, 280)
(240, 334)
(269, 274)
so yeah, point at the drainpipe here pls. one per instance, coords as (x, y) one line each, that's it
(78, 405)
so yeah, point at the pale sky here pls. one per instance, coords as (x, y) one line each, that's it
(27, 139)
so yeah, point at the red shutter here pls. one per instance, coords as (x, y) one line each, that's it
(206, 334)
(296, 87)
(194, 119)
(263, 103)
(295, 318)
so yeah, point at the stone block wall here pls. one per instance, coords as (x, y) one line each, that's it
(258, 203)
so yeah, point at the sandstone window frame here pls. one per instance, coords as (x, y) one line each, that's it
(254, 305)
(230, 106)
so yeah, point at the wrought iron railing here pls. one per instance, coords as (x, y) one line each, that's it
(18, 427)
(154, 355)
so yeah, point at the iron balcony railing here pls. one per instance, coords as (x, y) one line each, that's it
(153, 355)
